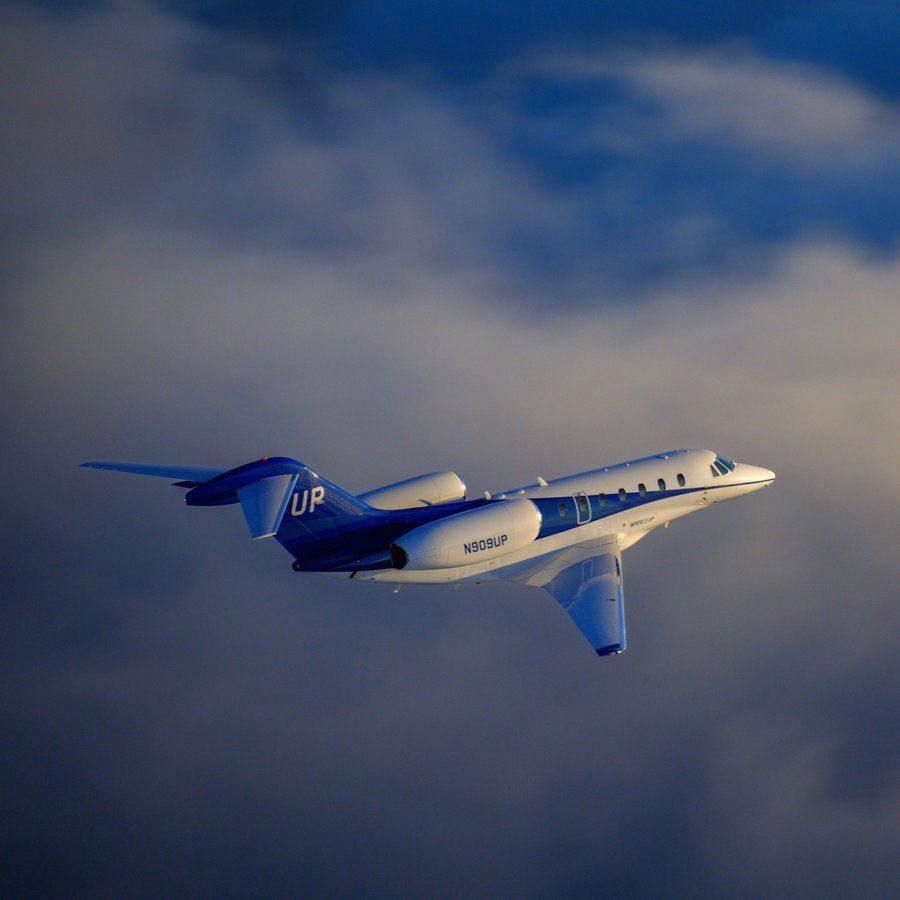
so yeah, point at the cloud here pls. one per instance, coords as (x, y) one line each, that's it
(130, 109)
(324, 372)
(794, 112)
(143, 114)
(783, 109)
(188, 714)
(785, 782)
(683, 162)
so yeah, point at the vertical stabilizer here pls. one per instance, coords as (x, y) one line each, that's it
(264, 503)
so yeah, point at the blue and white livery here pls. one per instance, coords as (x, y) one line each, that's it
(566, 535)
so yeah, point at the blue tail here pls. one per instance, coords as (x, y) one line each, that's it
(323, 525)
(320, 508)
(279, 496)
(277, 493)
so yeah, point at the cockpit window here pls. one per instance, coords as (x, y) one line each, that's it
(715, 471)
(726, 465)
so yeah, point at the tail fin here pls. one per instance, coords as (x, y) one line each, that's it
(273, 488)
(319, 507)
(263, 503)
(270, 490)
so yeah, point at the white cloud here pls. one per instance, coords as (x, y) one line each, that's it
(796, 372)
(733, 95)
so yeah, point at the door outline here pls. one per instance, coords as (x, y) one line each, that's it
(579, 518)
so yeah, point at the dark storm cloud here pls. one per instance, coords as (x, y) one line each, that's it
(201, 274)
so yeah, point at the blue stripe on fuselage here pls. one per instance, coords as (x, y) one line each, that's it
(343, 548)
(559, 514)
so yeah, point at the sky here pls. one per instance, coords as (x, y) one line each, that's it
(505, 238)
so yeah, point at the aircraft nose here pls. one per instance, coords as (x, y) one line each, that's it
(757, 475)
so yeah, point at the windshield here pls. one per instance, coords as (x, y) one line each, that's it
(721, 466)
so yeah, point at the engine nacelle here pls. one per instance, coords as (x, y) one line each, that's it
(469, 537)
(423, 490)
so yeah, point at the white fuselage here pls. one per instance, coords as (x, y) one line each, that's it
(661, 497)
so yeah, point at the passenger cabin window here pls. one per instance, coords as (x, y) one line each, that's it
(602, 499)
(622, 495)
(642, 489)
(661, 483)
(680, 480)
(561, 508)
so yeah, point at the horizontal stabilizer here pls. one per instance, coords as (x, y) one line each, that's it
(264, 502)
(263, 488)
(191, 475)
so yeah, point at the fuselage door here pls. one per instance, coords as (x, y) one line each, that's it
(582, 508)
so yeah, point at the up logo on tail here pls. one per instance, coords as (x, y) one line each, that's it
(313, 498)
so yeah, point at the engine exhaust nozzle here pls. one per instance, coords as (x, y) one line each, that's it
(399, 556)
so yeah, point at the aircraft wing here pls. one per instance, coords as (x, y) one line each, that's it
(186, 476)
(586, 581)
